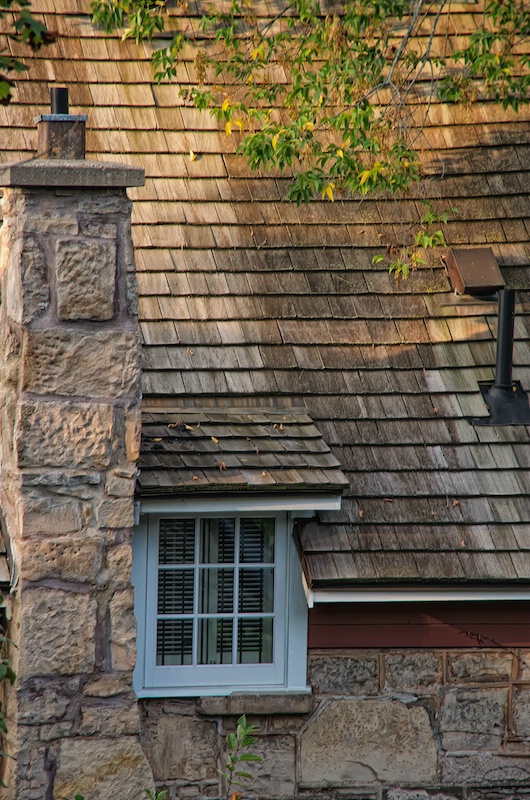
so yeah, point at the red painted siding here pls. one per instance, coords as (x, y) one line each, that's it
(471, 624)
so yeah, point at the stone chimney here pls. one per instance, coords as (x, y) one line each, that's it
(70, 427)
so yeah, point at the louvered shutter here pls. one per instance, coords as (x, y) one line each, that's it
(215, 597)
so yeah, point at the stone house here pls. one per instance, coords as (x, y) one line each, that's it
(320, 531)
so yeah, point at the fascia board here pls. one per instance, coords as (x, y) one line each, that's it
(234, 504)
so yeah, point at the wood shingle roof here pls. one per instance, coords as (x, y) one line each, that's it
(222, 450)
(248, 301)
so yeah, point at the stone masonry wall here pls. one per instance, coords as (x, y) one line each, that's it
(388, 725)
(70, 417)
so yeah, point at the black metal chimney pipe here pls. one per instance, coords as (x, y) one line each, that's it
(505, 324)
(505, 398)
(59, 100)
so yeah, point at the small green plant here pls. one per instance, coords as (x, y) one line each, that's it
(238, 744)
(6, 674)
(401, 259)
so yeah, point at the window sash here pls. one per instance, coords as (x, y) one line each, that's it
(217, 675)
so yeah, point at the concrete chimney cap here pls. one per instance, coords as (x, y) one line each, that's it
(60, 118)
(63, 173)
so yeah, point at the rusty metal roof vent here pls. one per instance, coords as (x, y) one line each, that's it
(60, 134)
(506, 400)
(474, 271)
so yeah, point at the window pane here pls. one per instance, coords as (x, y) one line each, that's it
(215, 641)
(218, 541)
(257, 541)
(216, 591)
(174, 638)
(256, 591)
(254, 641)
(176, 543)
(175, 591)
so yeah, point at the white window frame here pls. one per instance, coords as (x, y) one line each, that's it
(289, 670)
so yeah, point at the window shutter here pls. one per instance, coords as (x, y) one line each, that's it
(176, 544)
(175, 591)
(174, 642)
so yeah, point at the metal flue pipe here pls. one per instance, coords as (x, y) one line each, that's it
(504, 359)
(59, 100)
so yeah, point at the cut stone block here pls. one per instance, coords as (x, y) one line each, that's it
(86, 277)
(363, 741)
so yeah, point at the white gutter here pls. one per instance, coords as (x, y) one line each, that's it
(414, 595)
(234, 503)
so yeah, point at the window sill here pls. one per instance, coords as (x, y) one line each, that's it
(237, 704)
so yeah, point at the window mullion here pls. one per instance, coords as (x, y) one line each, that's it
(196, 571)
(236, 590)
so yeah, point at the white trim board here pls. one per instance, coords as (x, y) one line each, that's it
(200, 504)
(415, 595)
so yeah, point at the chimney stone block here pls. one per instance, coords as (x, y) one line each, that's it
(86, 279)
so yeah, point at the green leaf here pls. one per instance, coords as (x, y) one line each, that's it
(248, 741)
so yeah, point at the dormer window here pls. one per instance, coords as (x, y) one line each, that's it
(220, 604)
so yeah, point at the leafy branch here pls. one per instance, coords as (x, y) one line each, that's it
(331, 98)
(26, 29)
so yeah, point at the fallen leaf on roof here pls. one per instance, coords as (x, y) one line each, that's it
(456, 503)
(193, 156)
(263, 474)
(195, 478)
(189, 351)
(158, 439)
(361, 513)
(462, 543)
(388, 500)
(435, 410)
(222, 466)
(215, 440)
(181, 426)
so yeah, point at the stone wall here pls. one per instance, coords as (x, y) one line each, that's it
(70, 417)
(398, 725)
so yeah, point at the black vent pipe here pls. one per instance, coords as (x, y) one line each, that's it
(505, 398)
(505, 325)
(59, 100)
